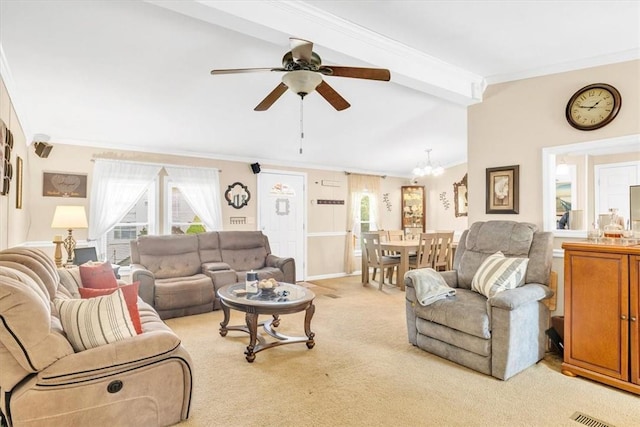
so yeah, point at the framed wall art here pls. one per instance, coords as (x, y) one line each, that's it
(461, 199)
(18, 182)
(502, 190)
(57, 184)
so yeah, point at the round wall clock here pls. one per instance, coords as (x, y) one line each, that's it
(593, 106)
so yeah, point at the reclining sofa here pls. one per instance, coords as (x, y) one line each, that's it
(143, 380)
(500, 335)
(180, 274)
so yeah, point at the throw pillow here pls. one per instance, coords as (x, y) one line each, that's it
(98, 275)
(130, 296)
(498, 273)
(90, 323)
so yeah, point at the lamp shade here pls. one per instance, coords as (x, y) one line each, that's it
(302, 82)
(69, 217)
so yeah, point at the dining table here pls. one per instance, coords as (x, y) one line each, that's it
(404, 248)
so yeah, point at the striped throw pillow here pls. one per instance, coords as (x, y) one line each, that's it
(90, 323)
(498, 273)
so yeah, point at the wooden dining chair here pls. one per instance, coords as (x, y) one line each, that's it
(444, 241)
(375, 257)
(425, 256)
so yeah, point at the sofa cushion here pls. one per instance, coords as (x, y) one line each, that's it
(244, 250)
(513, 239)
(71, 280)
(498, 273)
(181, 292)
(209, 246)
(98, 275)
(467, 312)
(130, 295)
(170, 256)
(93, 322)
(28, 330)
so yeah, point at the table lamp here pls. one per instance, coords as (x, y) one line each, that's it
(69, 217)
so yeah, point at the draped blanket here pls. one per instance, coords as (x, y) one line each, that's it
(429, 285)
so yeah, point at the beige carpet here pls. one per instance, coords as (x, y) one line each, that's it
(363, 371)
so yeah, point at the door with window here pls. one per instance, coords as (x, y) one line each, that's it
(281, 215)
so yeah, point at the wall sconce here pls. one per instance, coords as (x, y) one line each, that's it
(68, 217)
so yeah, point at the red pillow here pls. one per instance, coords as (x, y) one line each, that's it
(98, 276)
(130, 293)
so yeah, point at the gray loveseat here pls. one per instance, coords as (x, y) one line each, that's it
(180, 275)
(498, 336)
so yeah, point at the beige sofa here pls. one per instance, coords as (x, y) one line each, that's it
(180, 275)
(144, 380)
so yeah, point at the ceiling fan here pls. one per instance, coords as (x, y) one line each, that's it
(304, 71)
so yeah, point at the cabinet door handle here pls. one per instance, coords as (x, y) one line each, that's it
(633, 318)
(623, 317)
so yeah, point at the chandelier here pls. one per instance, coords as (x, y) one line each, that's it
(426, 169)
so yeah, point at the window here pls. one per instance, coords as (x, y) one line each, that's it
(135, 223)
(182, 218)
(364, 220)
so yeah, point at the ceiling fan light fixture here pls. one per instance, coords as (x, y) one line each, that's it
(302, 82)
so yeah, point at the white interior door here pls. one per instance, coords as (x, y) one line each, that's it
(613, 183)
(281, 215)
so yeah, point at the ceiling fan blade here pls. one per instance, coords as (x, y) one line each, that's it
(272, 97)
(333, 97)
(244, 70)
(301, 49)
(357, 72)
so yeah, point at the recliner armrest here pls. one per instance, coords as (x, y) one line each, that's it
(215, 266)
(147, 279)
(511, 299)
(286, 265)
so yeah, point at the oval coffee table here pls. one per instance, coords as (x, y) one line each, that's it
(285, 299)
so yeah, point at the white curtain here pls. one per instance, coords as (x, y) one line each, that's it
(201, 188)
(117, 186)
(359, 186)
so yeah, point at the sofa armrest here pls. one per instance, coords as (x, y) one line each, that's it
(112, 358)
(450, 276)
(511, 299)
(147, 280)
(286, 265)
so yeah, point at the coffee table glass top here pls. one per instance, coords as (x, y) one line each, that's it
(282, 295)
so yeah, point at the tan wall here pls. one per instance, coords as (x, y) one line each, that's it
(14, 223)
(441, 201)
(517, 119)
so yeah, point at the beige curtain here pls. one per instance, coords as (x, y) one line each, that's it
(359, 185)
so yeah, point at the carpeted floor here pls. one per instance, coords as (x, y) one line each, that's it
(363, 372)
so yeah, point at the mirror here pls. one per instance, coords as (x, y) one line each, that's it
(460, 195)
(237, 195)
(574, 185)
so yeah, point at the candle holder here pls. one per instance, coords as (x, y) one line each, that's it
(57, 240)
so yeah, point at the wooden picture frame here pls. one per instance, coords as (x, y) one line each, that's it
(461, 201)
(60, 184)
(19, 167)
(502, 188)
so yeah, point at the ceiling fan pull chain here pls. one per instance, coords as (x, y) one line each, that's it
(301, 123)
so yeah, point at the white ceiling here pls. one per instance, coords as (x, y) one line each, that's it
(136, 74)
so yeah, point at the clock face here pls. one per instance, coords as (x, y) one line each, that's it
(593, 106)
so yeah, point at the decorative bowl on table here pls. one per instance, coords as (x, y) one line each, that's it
(267, 287)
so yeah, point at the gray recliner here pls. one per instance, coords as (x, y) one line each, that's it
(498, 336)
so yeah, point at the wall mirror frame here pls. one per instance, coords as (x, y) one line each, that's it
(551, 156)
(237, 195)
(461, 197)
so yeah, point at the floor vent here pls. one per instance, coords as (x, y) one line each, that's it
(589, 421)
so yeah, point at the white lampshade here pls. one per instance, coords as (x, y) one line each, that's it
(69, 217)
(302, 82)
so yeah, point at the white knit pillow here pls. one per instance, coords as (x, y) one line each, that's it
(498, 273)
(90, 323)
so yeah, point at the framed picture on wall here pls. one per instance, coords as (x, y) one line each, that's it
(58, 184)
(503, 190)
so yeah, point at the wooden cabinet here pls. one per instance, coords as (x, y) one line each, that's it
(413, 209)
(602, 300)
